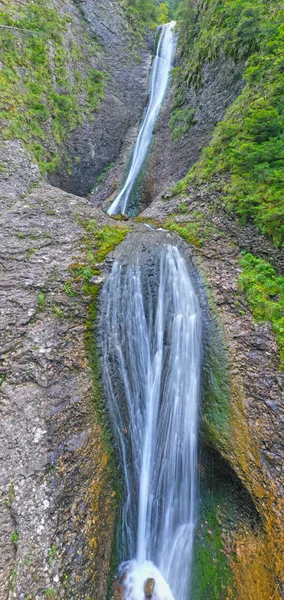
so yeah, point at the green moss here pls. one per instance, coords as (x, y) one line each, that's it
(102, 175)
(264, 290)
(68, 289)
(107, 238)
(212, 577)
(37, 85)
(216, 409)
(195, 231)
(180, 122)
(15, 537)
(29, 252)
(248, 145)
(99, 243)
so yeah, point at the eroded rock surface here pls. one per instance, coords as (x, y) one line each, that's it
(169, 160)
(57, 505)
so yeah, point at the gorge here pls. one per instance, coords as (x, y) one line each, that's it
(101, 314)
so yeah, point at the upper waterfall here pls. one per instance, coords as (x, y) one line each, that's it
(151, 341)
(160, 75)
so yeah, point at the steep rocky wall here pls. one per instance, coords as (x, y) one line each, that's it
(58, 502)
(73, 82)
(126, 63)
(171, 157)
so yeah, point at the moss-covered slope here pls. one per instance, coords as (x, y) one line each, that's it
(247, 149)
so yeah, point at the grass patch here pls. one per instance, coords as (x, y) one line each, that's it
(264, 290)
(41, 300)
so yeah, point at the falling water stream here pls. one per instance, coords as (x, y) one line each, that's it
(159, 80)
(151, 339)
(150, 331)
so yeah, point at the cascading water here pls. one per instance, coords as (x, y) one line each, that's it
(151, 342)
(160, 75)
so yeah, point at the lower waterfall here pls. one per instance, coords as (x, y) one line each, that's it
(150, 329)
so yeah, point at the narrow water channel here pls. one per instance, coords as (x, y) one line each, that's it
(159, 81)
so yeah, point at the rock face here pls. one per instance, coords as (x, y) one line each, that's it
(57, 502)
(170, 160)
(96, 144)
(90, 88)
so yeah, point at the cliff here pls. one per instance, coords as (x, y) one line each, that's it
(74, 83)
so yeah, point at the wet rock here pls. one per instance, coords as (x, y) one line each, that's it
(149, 587)
(118, 591)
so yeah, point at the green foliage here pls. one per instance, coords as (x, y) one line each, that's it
(264, 290)
(57, 312)
(29, 252)
(52, 554)
(163, 13)
(39, 84)
(41, 300)
(194, 231)
(15, 537)
(50, 593)
(102, 175)
(141, 14)
(107, 238)
(180, 121)
(98, 244)
(68, 289)
(249, 143)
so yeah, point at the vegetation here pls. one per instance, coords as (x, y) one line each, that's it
(41, 300)
(149, 13)
(98, 244)
(194, 231)
(42, 88)
(247, 149)
(180, 121)
(264, 291)
(15, 537)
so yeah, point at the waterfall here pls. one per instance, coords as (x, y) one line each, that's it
(150, 328)
(159, 81)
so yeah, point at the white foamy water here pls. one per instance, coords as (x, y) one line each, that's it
(160, 75)
(151, 339)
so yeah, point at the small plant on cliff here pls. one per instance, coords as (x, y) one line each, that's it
(41, 300)
(264, 290)
(15, 537)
